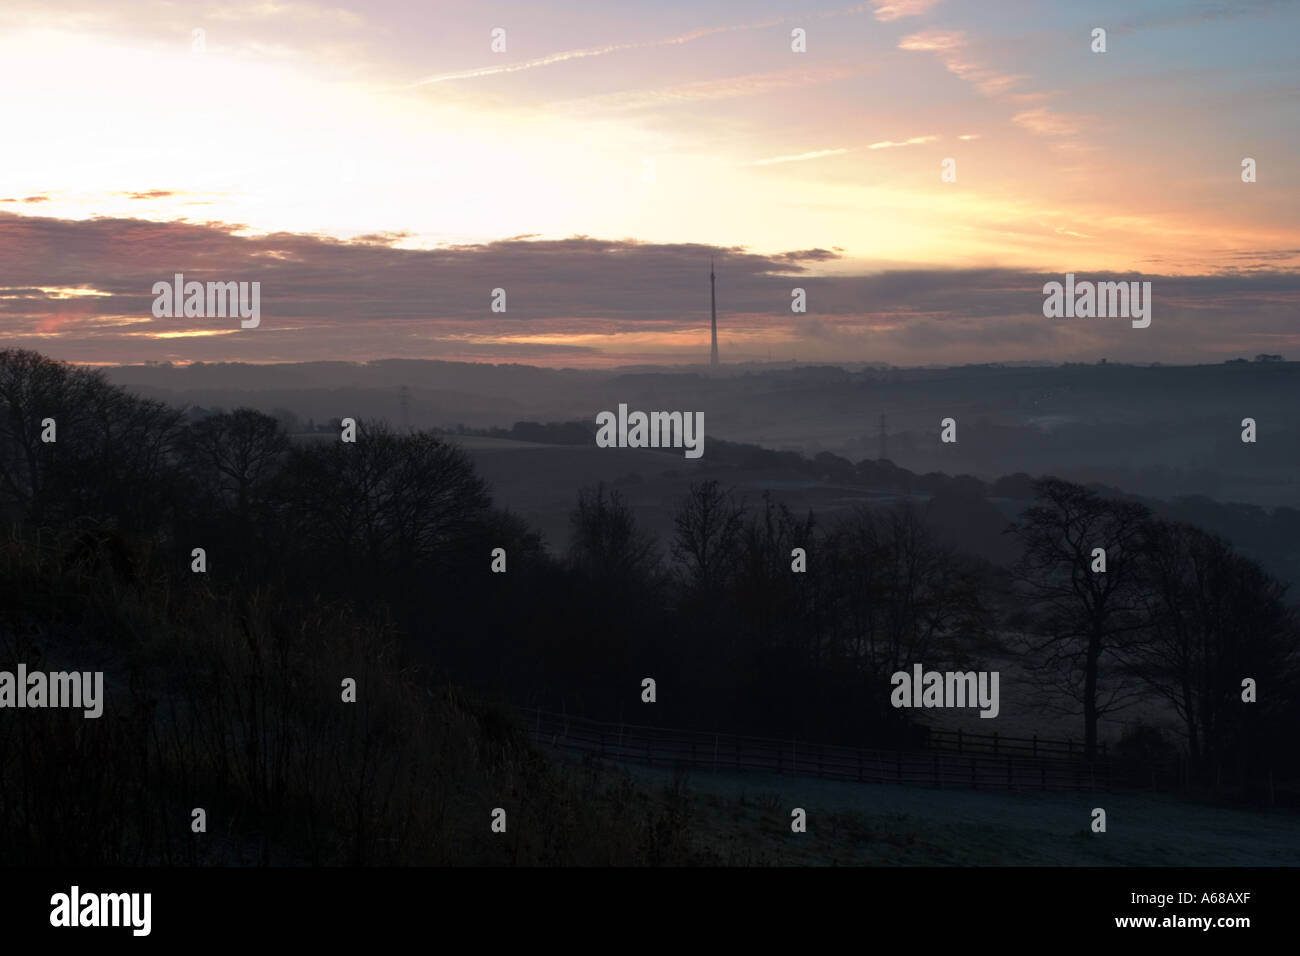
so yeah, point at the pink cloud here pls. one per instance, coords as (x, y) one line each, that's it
(887, 10)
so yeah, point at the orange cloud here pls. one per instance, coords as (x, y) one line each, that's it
(1044, 122)
(948, 46)
(887, 10)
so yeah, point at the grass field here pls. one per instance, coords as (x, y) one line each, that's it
(744, 819)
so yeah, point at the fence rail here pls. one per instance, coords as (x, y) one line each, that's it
(966, 742)
(967, 761)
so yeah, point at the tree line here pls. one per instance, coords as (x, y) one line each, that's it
(751, 618)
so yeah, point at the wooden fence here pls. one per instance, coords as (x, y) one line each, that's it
(954, 760)
(966, 742)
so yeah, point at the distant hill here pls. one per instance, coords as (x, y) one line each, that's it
(1160, 431)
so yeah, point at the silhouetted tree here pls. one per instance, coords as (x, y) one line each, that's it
(708, 523)
(1081, 615)
(233, 455)
(1214, 618)
(764, 582)
(903, 597)
(113, 456)
(33, 388)
(130, 470)
(607, 542)
(385, 504)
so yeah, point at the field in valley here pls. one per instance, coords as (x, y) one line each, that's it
(744, 819)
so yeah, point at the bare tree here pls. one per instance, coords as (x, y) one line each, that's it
(32, 389)
(769, 600)
(113, 455)
(607, 542)
(384, 503)
(233, 455)
(131, 473)
(1081, 616)
(1214, 617)
(902, 597)
(706, 543)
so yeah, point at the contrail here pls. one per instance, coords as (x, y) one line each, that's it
(802, 156)
(611, 48)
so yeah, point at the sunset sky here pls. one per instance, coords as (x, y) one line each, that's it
(379, 169)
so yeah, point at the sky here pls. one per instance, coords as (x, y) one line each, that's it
(380, 169)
